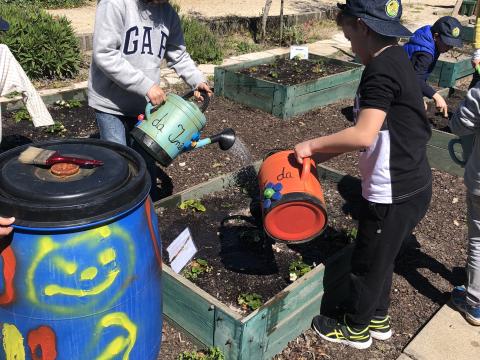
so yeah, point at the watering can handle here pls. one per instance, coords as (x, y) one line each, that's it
(451, 150)
(307, 164)
(206, 98)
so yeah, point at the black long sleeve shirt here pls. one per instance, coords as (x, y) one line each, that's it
(423, 64)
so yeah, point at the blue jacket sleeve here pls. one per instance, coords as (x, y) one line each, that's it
(422, 64)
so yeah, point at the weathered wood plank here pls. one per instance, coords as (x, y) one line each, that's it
(320, 98)
(190, 307)
(328, 82)
(439, 158)
(228, 334)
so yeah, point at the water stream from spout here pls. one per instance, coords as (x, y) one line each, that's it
(241, 152)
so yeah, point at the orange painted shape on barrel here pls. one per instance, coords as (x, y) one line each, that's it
(42, 341)
(300, 214)
(9, 268)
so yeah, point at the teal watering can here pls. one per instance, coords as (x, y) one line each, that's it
(167, 130)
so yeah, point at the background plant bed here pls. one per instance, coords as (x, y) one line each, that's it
(242, 264)
(452, 67)
(285, 101)
(294, 71)
(437, 150)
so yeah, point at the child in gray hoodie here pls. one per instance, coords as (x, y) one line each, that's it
(466, 121)
(130, 40)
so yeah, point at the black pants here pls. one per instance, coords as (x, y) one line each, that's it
(382, 229)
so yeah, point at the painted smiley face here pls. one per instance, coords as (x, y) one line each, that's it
(88, 270)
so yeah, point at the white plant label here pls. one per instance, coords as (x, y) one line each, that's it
(181, 250)
(299, 52)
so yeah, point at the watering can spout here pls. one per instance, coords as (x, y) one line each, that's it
(225, 140)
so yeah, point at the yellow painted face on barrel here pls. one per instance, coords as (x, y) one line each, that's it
(88, 269)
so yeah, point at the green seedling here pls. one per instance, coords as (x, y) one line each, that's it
(297, 269)
(21, 115)
(196, 268)
(213, 353)
(194, 204)
(68, 104)
(250, 301)
(317, 69)
(352, 234)
(273, 74)
(57, 127)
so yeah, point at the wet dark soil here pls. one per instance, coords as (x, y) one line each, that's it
(294, 71)
(425, 272)
(437, 119)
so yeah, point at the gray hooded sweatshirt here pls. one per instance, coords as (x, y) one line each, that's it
(129, 42)
(466, 121)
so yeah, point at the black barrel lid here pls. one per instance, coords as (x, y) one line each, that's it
(39, 199)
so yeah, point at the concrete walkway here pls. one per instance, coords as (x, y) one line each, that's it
(447, 336)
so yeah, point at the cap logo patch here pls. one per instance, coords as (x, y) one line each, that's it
(456, 32)
(391, 8)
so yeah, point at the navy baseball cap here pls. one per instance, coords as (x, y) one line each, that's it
(382, 16)
(449, 30)
(3, 25)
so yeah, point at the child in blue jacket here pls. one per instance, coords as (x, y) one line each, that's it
(424, 49)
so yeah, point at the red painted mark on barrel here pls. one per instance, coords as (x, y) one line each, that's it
(9, 267)
(42, 343)
(153, 236)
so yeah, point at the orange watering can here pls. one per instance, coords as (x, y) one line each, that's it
(293, 206)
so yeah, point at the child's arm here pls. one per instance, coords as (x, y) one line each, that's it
(422, 62)
(5, 226)
(466, 120)
(360, 136)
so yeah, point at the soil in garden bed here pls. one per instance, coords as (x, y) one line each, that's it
(294, 71)
(436, 119)
(242, 258)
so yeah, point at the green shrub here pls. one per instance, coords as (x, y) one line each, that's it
(202, 44)
(48, 4)
(45, 46)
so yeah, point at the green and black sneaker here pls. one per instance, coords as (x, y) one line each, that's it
(338, 332)
(380, 327)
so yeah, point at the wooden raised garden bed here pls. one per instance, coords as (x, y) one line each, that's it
(447, 72)
(267, 330)
(286, 101)
(437, 150)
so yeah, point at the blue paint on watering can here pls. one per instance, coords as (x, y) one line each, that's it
(89, 291)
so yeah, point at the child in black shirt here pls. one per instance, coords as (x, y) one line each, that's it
(391, 131)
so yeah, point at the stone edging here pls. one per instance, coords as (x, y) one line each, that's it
(77, 91)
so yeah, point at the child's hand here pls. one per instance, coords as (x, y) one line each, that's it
(5, 227)
(156, 95)
(441, 104)
(204, 87)
(302, 150)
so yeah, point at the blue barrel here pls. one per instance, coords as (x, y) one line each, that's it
(81, 274)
